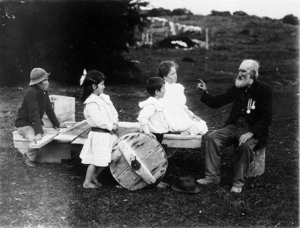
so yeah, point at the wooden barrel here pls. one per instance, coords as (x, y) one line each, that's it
(138, 161)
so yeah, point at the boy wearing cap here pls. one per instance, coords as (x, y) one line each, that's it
(35, 103)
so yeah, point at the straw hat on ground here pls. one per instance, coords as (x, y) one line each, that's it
(186, 185)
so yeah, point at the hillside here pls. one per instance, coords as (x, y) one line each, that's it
(232, 38)
(228, 31)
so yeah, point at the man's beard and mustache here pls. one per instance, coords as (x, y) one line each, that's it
(241, 82)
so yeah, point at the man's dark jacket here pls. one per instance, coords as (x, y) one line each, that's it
(35, 103)
(259, 119)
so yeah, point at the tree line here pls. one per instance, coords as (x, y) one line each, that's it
(65, 37)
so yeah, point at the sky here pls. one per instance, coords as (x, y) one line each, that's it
(275, 9)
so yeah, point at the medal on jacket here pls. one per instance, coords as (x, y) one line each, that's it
(251, 105)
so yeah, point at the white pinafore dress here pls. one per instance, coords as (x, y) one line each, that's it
(176, 112)
(99, 112)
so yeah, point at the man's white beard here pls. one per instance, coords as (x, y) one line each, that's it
(240, 83)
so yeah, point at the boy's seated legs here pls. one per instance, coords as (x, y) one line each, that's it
(159, 138)
(30, 156)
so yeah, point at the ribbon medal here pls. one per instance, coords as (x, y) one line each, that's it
(251, 105)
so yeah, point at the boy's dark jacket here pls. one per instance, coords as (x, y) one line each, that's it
(35, 103)
(259, 119)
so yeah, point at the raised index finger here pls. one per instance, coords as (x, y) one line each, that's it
(201, 81)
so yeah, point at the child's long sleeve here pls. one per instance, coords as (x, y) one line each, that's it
(96, 118)
(144, 117)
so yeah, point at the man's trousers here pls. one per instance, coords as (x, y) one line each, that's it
(243, 154)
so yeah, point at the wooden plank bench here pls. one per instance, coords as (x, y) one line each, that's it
(170, 140)
(57, 146)
(49, 151)
(77, 134)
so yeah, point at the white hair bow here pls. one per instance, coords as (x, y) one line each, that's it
(82, 77)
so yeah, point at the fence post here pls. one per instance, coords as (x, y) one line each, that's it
(206, 39)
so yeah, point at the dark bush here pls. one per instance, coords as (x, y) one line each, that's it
(64, 37)
(220, 13)
(158, 12)
(290, 19)
(180, 11)
(240, 13)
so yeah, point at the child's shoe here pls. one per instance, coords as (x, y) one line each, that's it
(208, 180)
(162, 185)
(236, 189)
(28, 162)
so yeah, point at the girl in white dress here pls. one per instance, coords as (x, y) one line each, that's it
(178, 116)
(102, 116)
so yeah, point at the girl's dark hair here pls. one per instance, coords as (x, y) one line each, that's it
(93, 77)
(153, 84)
(165, 67)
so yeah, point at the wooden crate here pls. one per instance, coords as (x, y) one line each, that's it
(48, 150)
(20, 142)
(64, 108)
(54, 152)
(257, 166)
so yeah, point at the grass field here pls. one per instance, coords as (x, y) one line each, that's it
(51, 195)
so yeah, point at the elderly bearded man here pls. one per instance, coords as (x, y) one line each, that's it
(247, 126)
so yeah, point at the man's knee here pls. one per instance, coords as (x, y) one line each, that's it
(245, 150)
(27, 132)
(244, 147)
(248, 145)
(211, 136)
